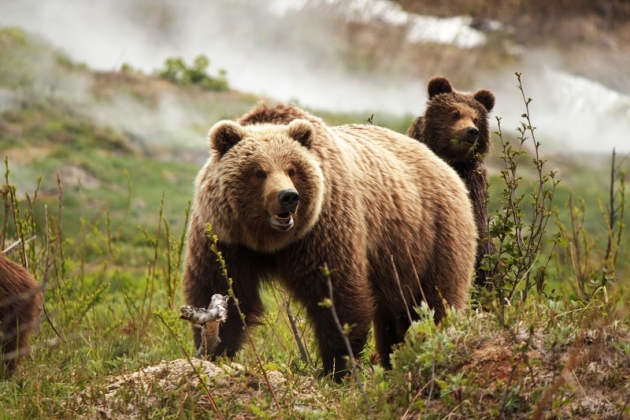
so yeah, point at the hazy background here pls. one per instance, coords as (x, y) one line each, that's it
(361, 55)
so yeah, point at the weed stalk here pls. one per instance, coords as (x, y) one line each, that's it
(214, 247)
(344, 330)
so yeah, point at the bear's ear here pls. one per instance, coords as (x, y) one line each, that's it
(486, 98)
(302, 131)
(223, 135)
(438, 85)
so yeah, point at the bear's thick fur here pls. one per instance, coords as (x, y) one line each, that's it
(20, 302)
(285, 195)
(455, 126)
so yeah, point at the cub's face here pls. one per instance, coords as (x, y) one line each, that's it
(463, 127)
(456, 124)
(266, 185)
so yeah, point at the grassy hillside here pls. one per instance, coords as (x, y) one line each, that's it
(98, 176)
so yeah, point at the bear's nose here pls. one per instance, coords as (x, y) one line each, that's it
(288, 199)
(472, 132)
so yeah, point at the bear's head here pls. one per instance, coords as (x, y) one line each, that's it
(455, 124)
(264, 184)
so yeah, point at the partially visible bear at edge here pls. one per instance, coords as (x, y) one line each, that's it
(455, 126)
(286, 194)
(20, 303)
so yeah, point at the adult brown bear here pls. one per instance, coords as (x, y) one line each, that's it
(285, 194)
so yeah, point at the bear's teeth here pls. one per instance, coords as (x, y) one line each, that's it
(281, 218)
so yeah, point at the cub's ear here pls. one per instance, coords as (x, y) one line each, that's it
(302, 131)
(438, 85)
(223, 135)
(486, 98)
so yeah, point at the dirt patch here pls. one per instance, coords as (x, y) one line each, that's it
(491, 361)
(132, 395)
(579, 378)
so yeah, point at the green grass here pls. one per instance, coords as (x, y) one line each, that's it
(114, 286)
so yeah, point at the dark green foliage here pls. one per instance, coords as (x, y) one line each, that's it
(177, 72)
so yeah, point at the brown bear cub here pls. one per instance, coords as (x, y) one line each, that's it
(455, 126)
(20, 301)
(286, 195)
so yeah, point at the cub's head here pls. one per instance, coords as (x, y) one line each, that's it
(263, 185)
(455, 124)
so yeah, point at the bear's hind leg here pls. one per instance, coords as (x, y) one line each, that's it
(332, 346)
(389, 330)
(353, 307)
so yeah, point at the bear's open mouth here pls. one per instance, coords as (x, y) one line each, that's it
(282, 221)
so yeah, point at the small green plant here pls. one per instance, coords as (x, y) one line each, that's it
(176, 70)
(129, 69)
(519, 223)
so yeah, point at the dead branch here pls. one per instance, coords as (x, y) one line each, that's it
(296, 333)
(209, 320)
(16, 243)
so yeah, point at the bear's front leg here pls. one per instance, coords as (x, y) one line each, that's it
(203, 278)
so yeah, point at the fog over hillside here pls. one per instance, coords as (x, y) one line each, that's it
(287, 51)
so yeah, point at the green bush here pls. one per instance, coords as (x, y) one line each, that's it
(176, 71)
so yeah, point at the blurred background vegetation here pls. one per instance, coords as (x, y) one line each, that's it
(99, 163)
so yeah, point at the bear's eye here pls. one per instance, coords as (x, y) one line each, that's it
(260, 174)
(455, 115)
(291, 172)
(475, 121)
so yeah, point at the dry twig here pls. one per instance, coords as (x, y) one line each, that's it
(209, 320)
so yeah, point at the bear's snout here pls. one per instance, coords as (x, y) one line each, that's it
(288, 199)
(473, 132)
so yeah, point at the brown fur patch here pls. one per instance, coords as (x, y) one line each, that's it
(20, 302)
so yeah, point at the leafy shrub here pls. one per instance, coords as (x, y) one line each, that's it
(519, 224)
(176, 71)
